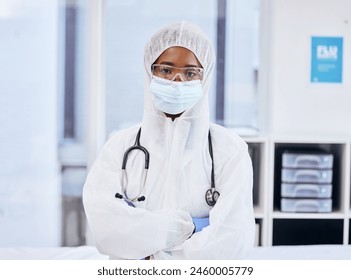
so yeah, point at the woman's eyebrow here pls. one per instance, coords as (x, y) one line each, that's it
(167, 63)
(192, 65)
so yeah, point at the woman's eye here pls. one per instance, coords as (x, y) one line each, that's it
(166, 70)
(190, 73)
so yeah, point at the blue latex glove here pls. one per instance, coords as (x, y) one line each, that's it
(200, 223)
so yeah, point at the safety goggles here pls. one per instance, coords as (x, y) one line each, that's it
(171, 73)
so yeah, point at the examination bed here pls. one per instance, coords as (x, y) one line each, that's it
(301, 252)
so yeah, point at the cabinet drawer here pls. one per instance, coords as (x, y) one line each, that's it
(306, 205)
(312, 161)
(306, 190)
(307, 176)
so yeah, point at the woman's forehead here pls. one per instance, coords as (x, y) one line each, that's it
(178, 56)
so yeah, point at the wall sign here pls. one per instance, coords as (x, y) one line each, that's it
(326, 59)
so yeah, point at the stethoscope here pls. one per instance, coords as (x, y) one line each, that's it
(211, 195)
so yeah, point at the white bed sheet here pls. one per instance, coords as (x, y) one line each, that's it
(302, 252)
(57, 253)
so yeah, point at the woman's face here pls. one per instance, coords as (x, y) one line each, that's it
(178, 57)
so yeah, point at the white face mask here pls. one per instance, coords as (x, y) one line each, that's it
(175, 97)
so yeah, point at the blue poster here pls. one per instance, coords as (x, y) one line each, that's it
(326, 59)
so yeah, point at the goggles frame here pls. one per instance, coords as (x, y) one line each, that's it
(169, 72)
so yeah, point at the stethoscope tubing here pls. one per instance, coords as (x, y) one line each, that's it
(136, 146)
(210, 196)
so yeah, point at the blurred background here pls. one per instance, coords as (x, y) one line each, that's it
(71, 73)
(47, 69)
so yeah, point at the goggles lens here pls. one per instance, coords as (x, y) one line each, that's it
(171, 73)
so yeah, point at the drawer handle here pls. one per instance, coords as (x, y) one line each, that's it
(309, 188)
(311, 173)
(306, 203)
(307, 159)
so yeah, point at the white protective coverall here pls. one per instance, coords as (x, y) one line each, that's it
(178, 178)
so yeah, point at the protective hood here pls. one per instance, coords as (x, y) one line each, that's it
(193, 123)
(185, 35)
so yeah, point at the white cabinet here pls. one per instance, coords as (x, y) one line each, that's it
(284, 228)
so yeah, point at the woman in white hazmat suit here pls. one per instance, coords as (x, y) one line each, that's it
(162, 225)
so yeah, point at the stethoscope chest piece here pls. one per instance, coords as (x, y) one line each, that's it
(211, 196)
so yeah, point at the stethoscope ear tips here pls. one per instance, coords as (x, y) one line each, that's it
(117, 195)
